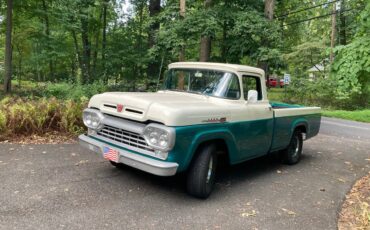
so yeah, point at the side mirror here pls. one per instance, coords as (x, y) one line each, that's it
(252, 96)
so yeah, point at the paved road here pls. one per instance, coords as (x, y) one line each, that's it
(66, 187)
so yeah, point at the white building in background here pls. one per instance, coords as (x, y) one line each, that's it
(318, 70)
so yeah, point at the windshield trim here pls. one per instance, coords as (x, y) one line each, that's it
(193, 92)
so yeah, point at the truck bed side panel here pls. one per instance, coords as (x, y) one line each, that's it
(286, 120)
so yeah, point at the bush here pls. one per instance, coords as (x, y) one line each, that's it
(71, 91)
(26, 117)
(2, 122)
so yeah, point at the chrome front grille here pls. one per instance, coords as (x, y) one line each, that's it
(125, 137)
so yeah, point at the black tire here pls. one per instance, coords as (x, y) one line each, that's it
(292, 154)
(202, 172)
(117, 165)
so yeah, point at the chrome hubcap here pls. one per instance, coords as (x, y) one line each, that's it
(210, 167)
(296, 150)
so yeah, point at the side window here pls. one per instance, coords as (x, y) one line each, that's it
(252, 83)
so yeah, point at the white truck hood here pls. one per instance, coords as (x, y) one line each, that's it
(167, 107)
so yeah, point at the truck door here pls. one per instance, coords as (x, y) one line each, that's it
(257, 125)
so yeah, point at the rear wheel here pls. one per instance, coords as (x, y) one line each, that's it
(202, 172)
(292, 154)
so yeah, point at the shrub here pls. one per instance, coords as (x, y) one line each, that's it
(25, 116)
(2, 122)
(71, 117)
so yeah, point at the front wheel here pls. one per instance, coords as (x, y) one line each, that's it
(202, 172)
(292, 154)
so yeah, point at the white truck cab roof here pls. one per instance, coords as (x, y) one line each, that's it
(218, 66)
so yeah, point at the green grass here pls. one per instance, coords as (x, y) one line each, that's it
(357, 115)
(276, 94)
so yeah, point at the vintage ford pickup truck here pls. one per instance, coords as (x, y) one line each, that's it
(203, 111)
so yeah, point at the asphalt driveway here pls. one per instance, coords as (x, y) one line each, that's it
(67, 187)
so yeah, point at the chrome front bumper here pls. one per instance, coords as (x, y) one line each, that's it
(143, 163)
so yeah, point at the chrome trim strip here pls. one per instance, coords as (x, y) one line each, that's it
(146, 164)
(121, 123)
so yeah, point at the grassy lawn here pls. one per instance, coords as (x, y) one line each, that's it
(357, 115)
(276, 94)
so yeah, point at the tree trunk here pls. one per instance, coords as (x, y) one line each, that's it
(104, 41)
(205, 49)
(333, 30)
(154, 10)
(47, 33)
(86, 49)
(269, 9)
(182, 16)
(342, 18)
(223, 45)
(205, 41)
(181, 81)
(77, 49)
(8, 47)
(96, 49)
(269, 15)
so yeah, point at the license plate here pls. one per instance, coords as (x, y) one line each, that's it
(110, 154)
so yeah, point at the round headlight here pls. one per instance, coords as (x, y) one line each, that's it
(92, 118)
(163, 140)
(159, 137)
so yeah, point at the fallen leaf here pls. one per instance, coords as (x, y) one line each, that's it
(248, 214)
(288, 211)
(341, 180)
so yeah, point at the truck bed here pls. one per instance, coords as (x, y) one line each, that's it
(287, 116)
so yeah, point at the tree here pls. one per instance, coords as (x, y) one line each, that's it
(8, 46)
(205, 40)
(154, 10)
(182, 16)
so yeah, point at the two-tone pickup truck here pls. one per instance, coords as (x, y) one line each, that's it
(203, 111)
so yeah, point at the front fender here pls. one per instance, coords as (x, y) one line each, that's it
(189, 138)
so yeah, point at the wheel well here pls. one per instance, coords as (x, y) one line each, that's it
(301, 128)
(221, 146)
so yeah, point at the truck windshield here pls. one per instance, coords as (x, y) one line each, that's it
(200, 81)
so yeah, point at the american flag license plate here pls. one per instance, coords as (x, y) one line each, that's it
(110, 154)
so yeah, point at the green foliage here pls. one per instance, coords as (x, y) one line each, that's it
(23, 116)
(305, 56)
(351, 68)
(306, 92)
(72, 91)
(2, 122)
(357, 115)
(71, 117)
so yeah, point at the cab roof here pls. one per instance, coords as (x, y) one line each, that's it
(218, 66)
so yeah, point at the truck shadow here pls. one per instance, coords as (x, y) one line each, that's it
(227, 176)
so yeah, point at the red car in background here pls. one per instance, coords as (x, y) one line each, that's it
(282, 83)
(272, 82)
